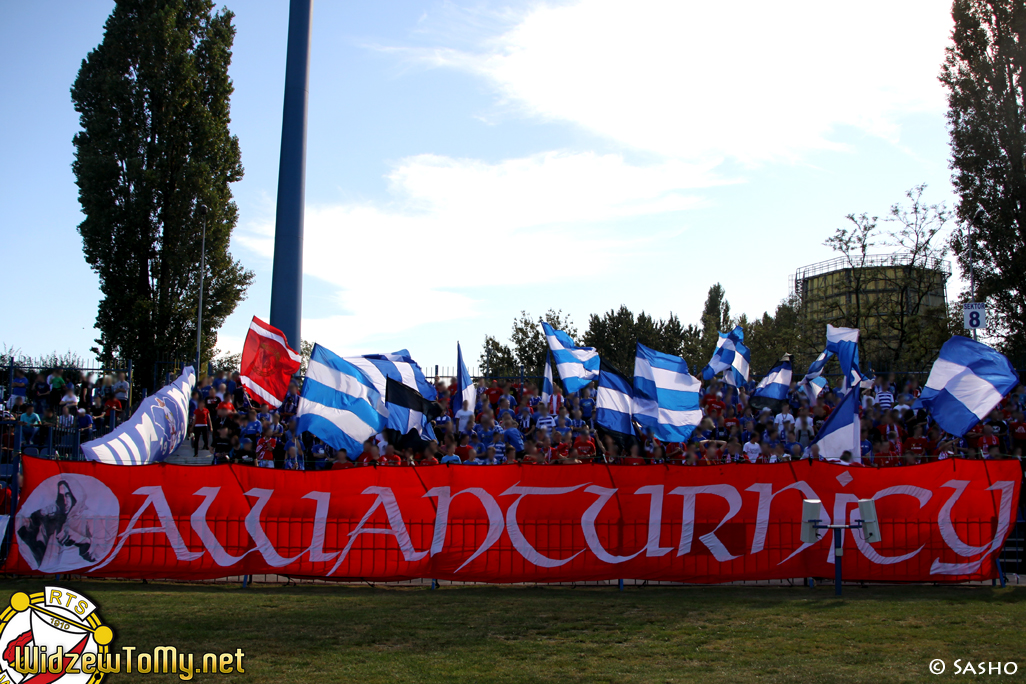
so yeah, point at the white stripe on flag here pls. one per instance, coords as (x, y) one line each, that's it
(347, 421)
(971, 390)
(609, 398)
(649, 407)
(258, 390)
(277, 338)
(341, 382)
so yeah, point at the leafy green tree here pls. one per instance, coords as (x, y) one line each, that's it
(527, 346)
(773, 335)
(896, 300)
(154, 146)
(715, 317)
(615, 333)
(853, 242)
(498, 360)
(984, 74)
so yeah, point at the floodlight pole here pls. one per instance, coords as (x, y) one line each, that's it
(287, 271)
(980, 214)
(202, 211)
(838, 548)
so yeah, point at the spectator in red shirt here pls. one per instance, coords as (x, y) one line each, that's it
(341, 460)
(987, 440)
(265, 449)
(882, 453)
(389, 458)
(916, 446)
(569, 458)
(674, 452)
(1017, 430)
(113, 408)
(200, 428)
(494, 393)
(370, 455)
(713, 403)
(561, 449)
(463, 450)
(584, 444)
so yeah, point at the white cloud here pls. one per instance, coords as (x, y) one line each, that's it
(394, 266)
(682, 85)
(692, 79)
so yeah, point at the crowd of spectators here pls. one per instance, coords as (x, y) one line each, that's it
(73, 406)
(511, 424)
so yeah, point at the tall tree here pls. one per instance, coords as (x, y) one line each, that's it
(615, 333)
(715, 317)
(896, 299)
(913, 322)
(527, 346)
(497, 359)
(153, 100)
(853, 243)
(984, 73)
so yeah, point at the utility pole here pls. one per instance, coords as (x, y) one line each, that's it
(980, 214)
(202, 211)
(287, 272)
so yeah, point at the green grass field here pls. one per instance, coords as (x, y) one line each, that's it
(326, 634)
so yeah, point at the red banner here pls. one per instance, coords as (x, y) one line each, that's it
(939, 522)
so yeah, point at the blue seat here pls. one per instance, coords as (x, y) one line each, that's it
(30, 451)
(6, 471)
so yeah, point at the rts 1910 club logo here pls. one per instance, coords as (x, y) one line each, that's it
(53, 636)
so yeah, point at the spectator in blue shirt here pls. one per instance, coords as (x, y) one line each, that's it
(30, 424)
(253, 427)
(450, 455)
(19, 387)
(85, 426)
(587, 404)
(562, 428)
(513, 436)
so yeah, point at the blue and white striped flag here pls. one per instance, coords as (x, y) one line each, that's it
(577, 366)
(665, 395)
(400, 367)
(965, 384)
(546, 390)
(731, 357)
(339, 404)
(466, 390)
(772, 391)
(845, 343)
(813, 388)
(614, 401)
(813, 383)
(842, 431)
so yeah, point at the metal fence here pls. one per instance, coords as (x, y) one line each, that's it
(373, 555)
(75, 375)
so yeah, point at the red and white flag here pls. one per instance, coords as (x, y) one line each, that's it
(268, 363)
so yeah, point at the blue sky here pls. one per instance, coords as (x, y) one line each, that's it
(471, 159)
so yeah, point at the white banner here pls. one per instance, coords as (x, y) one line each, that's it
(154, 431)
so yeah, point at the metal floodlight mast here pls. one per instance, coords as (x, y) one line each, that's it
(811, 524)
(287, 273)
(202, 211)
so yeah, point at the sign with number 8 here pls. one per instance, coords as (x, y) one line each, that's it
(974, 315)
